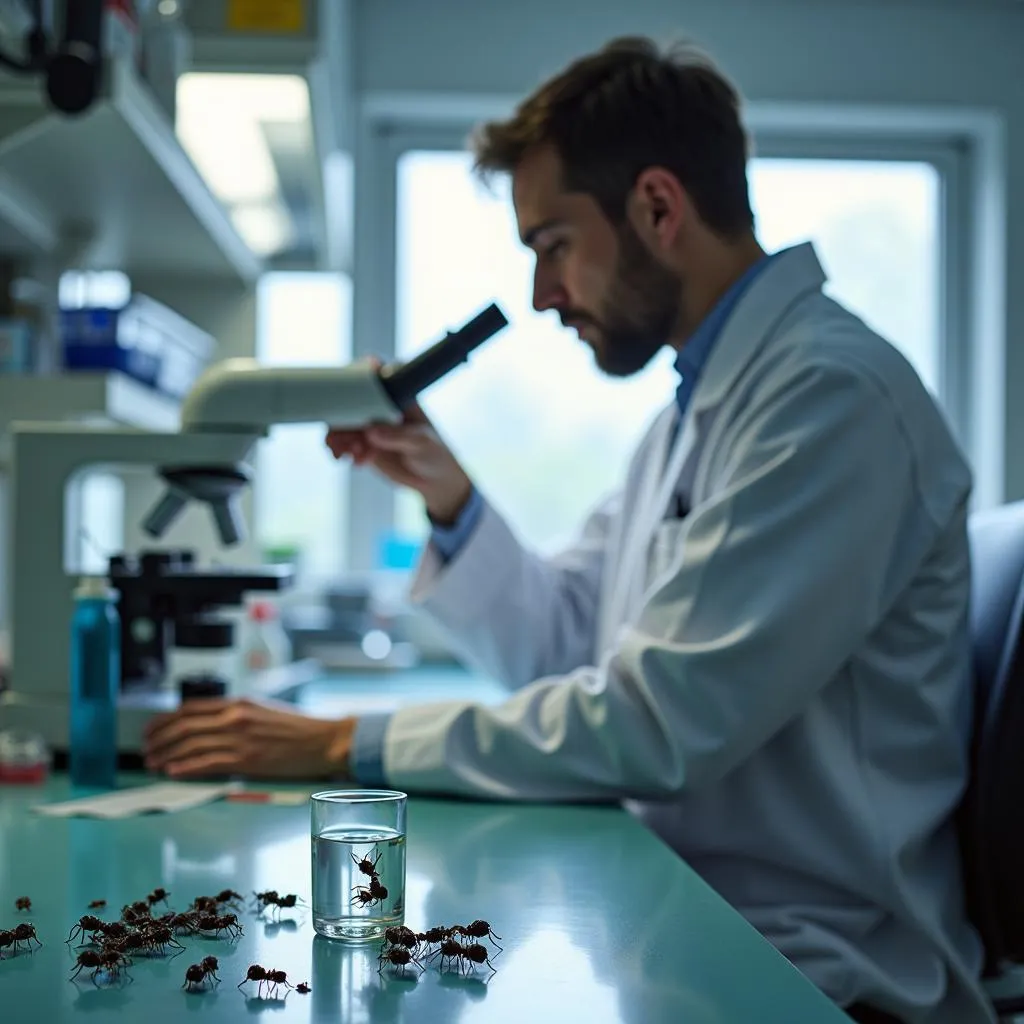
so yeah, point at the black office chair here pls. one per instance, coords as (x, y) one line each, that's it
(992, 815)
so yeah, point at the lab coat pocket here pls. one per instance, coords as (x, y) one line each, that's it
(665, 552)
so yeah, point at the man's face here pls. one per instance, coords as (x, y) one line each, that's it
(599, 278)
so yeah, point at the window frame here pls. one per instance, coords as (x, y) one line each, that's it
(963, 146)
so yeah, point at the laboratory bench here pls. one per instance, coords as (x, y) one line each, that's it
(599, 921)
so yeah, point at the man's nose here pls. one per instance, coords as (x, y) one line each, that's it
(548, 293)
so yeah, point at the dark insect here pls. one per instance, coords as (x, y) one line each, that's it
(22, 903)
(303, 988)
(367, 866)
(25, 933)
(477, 954)
(159, 936)
(97, 904)
(264, 899)
(479, 930)
(279, 902)
(113, 962)
(207, 904)
(158, 895)
(450, 950)
(212, 923)
(402, 936)
(198, 973)
(432, 936)
(136, 913)
(269, 978)
(397, 956)
(6, 939)
(112, 930)
(86, 923)
(186, 922)
(88, 958)
(229, 896)
(376, 893)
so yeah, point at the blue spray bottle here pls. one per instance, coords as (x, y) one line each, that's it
(95, 684)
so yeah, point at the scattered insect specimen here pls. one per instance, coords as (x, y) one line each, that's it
(158, 895)
(303, 988)
(86, 923)
(197, 974)
(23, 903)
(272, 898)
(97, 905)
(397, 956)
(108, 960)
(261, 975)
(229, 896)
(214, 923)
(25, 933)
(477, 930)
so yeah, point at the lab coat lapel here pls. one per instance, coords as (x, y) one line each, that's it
(790, 275)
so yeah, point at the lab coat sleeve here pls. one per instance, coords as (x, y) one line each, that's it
(782, 574)
(510, 613)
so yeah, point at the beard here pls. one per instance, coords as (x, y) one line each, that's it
(640, 310)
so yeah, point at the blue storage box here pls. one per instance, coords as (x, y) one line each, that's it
(145, 340)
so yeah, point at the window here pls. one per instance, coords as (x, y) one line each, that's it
(299, 491)
(541, 430)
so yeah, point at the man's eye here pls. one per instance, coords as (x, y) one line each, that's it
(555, 248)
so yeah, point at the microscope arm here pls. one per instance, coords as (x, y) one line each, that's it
(240, 395)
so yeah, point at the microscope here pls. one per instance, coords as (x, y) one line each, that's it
(166, 599)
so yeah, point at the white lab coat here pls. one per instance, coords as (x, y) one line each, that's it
(777, 684)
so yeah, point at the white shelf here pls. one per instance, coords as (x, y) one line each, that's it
(110, 397)
(117, 177)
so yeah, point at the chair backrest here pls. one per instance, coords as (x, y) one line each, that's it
(992, 816)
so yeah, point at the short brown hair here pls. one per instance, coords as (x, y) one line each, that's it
(613, 113)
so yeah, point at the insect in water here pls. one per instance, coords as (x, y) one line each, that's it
(368, 897)
(270, 978)
(97, 905)
(367, 866)
(22, 903)
(197, 974)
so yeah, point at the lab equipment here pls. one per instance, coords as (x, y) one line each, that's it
(95, 682)
(358, 862)
(231, 407)
(265, 644)
(24, 758)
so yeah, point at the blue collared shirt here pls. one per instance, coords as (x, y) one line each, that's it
(367, 759)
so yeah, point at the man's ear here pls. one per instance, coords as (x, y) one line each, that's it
(658, 207)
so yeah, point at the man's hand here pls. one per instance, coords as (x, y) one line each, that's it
(244, 737)
(411, 454)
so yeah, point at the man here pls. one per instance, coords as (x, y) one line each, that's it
(762, 644)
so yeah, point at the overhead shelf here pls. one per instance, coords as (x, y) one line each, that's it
(117, 180)
(111, 397)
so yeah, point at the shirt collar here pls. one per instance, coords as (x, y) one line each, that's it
(695, 352)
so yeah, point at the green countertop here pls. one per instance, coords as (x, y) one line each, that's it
(600, 922)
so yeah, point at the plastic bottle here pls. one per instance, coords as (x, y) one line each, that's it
(266, 643)
(95, 684)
